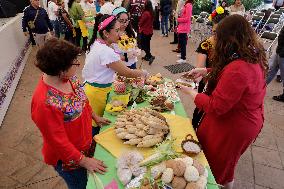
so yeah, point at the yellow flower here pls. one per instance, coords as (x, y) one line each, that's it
(220, 10)
(126, 43)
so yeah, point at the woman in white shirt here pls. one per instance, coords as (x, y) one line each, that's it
(101, 64)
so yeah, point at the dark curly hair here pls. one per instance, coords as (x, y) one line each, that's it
(235, 39)
(56, 56)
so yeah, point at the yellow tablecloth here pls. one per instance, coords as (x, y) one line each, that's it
(180, 127)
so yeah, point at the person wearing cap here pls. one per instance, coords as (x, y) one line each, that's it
(101, 64)
(130, 57)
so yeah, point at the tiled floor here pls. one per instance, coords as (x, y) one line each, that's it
(261, 166)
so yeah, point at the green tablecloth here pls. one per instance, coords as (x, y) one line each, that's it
(110, 160)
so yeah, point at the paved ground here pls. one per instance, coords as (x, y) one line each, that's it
(261, 167)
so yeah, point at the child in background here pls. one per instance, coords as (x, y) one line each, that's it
(130, 58)
(146, 30)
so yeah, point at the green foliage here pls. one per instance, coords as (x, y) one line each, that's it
(205, 5)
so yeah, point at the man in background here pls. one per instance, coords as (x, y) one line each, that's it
(36, 20)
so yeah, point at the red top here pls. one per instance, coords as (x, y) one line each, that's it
(233, 117)
(146, 23)
(65, 122)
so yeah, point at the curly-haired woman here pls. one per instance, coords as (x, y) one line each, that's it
(61, 110)
(233, 104)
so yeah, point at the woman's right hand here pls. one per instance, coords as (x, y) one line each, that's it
(93, 164)
(197, 73)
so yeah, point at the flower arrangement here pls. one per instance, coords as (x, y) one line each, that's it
(219, 10)
(126, 44)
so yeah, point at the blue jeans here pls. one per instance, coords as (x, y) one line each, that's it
(275, 63)
(165, 21)
(56, 29)
(75, 179)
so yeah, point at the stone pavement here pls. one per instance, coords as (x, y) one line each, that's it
(261, 167)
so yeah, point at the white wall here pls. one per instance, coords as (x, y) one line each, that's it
(12, 46)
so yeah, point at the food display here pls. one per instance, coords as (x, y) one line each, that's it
(141, 127)
(128, 166)
(181, 82)
(161, 104)
(166, 89)
(115, 106)
(190, 146)
(177, 173)
(155, 80)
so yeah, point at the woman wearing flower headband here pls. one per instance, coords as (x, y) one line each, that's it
(126, 31)
(101, 64)
(234, 99)
(205, 56)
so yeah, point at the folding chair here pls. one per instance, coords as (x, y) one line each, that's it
(271, 38)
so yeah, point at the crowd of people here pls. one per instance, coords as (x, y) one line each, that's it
(232, 72)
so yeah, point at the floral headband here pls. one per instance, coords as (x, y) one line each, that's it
(105, 23)
(219, 10)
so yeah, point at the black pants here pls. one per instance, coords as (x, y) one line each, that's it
(69, 36)
(146, 44)
(156, 23)
(182, 40)
(134, 23)
(78, 39)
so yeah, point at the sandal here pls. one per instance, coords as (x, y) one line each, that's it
(279, 98)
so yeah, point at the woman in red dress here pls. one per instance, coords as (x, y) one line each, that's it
(233, 102)
(60, 109)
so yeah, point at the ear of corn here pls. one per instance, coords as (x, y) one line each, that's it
(97, 181)
(163, 151)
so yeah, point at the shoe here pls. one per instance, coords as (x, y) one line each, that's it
(178, 55)
(181, 61)
(151, 60)
(146, 58)
(278, 79)
(162, 35)
(176, 50)
(166, 35)
(279, 98)
(173, 42)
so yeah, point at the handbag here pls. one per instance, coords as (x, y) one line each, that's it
(31, 24)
